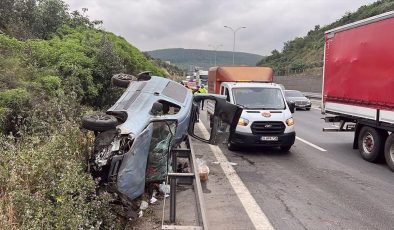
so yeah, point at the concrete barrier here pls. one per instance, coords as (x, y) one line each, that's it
(312, 95)
(312, 84)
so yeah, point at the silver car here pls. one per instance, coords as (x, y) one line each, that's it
(134, 137)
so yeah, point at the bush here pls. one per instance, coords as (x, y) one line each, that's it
(3, 115)
(50, 83)
(45, 186)
(15, 99)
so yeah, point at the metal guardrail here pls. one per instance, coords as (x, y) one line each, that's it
(191, 178)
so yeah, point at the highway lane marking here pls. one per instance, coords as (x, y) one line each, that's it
(256, 215)
(312, 145)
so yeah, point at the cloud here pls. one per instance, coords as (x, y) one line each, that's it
(159, 24)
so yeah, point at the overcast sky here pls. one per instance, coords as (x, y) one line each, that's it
(197, 24)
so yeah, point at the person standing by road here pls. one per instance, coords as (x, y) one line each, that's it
(203, 91)
(197, 91)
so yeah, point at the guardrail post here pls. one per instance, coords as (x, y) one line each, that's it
(173, 188)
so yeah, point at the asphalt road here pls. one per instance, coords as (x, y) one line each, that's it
(306, 188)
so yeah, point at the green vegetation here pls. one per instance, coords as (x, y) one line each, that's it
(184, 58)
(305, 54)
(44, 185)
(54, 66)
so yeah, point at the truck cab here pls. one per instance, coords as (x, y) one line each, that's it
(266, 119)
(202, 77)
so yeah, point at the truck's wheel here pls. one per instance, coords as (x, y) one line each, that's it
(122, 80)
(99, 122)
(389, 151)
(371, 143)
(285, 148)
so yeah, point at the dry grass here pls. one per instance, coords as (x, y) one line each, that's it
(7, 213)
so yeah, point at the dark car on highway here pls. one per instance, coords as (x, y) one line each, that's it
(300, 101)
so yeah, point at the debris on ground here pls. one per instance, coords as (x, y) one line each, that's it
(164, 188)
(203, 169)
(153, 200)
(144, 205)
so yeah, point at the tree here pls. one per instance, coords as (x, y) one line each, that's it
(16, 17)
(50, 15)
(275, 53)
(6, 13)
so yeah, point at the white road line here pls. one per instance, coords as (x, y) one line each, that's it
(312, 145)
(256, 215)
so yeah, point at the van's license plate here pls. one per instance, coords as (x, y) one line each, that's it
(269, 138)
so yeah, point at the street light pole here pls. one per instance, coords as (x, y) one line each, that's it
(234, 32)
(215, 48)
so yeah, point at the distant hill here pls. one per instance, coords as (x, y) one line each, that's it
(184, 58)
(304, 55)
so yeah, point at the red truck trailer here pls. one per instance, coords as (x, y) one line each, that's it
(358, 84)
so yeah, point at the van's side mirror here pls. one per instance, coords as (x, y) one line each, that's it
(291, 105)
(213, 119)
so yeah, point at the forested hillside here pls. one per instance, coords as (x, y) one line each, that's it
(305, 54)
(184, 58)
(54, 67)
(174, 71)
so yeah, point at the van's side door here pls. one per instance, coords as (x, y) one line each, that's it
(225, 118)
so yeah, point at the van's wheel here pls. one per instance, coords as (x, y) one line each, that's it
(371, 143)
(122, 80)
(285, 148)
(99, 122)
(389, 151)
(144, 76)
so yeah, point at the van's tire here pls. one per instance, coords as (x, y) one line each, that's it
(122, 80)
(389, 151)
(144, 76)
(99, 122)
(285, 148)
(371, 143)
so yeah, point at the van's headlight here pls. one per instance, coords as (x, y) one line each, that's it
(290, 122)
(243, 122)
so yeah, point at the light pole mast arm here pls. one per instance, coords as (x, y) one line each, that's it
(234, 32)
